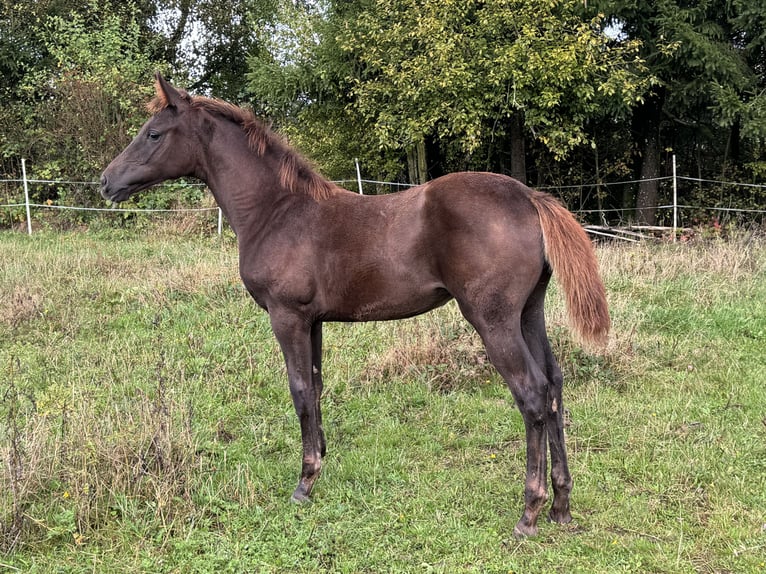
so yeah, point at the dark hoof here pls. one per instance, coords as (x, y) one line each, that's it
(300, 499)
(560, 517)
(521, 531)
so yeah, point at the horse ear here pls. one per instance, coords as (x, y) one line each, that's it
(167, 95)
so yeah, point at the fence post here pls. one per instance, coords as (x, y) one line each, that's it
(675, 201)
(26, 194)
(220, 221)
(358, 176)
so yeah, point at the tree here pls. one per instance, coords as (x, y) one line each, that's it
(742, 108)
(22, 50)
(449, 78)
(76, 74)
(303, 81)
(79, 102)
(700, 54)
(210, 41)
(469, 71)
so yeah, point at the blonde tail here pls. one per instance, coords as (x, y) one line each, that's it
(570, 254)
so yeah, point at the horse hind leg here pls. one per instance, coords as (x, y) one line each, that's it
(509, 353)
(529, 389)
(533, 327)
(560, 475)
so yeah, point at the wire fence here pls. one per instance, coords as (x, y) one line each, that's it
(589, 200)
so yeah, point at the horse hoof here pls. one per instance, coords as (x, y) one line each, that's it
(300, 498)
(559, 517)
(521, 531)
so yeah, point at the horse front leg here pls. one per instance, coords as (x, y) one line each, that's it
(302, 348)
(316, 380)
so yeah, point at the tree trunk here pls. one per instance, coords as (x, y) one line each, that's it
(434, 157)
(646, 130)
(518, 149)
(733, 154)
(648, 188)
(416, 162)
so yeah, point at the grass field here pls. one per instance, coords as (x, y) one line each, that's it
(146, 425)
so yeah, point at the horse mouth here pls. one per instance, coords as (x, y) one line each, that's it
(108, 191)
(112, 192)
(116, 196)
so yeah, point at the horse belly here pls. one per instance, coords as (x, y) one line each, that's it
(378, 295)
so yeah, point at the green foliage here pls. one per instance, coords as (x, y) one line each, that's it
(209, 41)
(392, 81)
(458, 68)
(374, 79)
(301, 79)
(86, 105)
(708, 56)
(377, 79)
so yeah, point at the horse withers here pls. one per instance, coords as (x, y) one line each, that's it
(311, 252)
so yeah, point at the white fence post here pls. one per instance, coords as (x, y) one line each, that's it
(26, 194)
(220, 221)
(675, 200)
(359, 176)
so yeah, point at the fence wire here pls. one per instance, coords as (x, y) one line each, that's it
(611, 216)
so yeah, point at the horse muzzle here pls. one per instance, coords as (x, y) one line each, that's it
(112, 193)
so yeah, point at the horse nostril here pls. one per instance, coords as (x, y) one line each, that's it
(104, 181)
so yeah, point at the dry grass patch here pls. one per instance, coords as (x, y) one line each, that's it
(70, 467)
(21, 304)
(440, 348)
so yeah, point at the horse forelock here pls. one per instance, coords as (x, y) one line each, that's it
(295, 172)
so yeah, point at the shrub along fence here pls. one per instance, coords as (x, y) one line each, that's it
(589, 200)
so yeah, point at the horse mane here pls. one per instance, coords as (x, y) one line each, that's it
(295, 172)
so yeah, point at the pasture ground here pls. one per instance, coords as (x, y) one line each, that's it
(146, 425)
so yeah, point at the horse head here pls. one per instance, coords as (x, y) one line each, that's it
(162, 149)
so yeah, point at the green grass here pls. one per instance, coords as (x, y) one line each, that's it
(146, 425)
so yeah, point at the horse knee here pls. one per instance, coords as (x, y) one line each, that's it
(533, 405)
(535, 496)
(561, 479)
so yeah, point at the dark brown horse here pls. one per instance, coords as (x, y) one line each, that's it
(310, 252)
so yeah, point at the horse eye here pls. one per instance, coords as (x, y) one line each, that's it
(154, 136)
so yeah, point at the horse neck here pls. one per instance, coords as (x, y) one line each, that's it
(244, 183)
